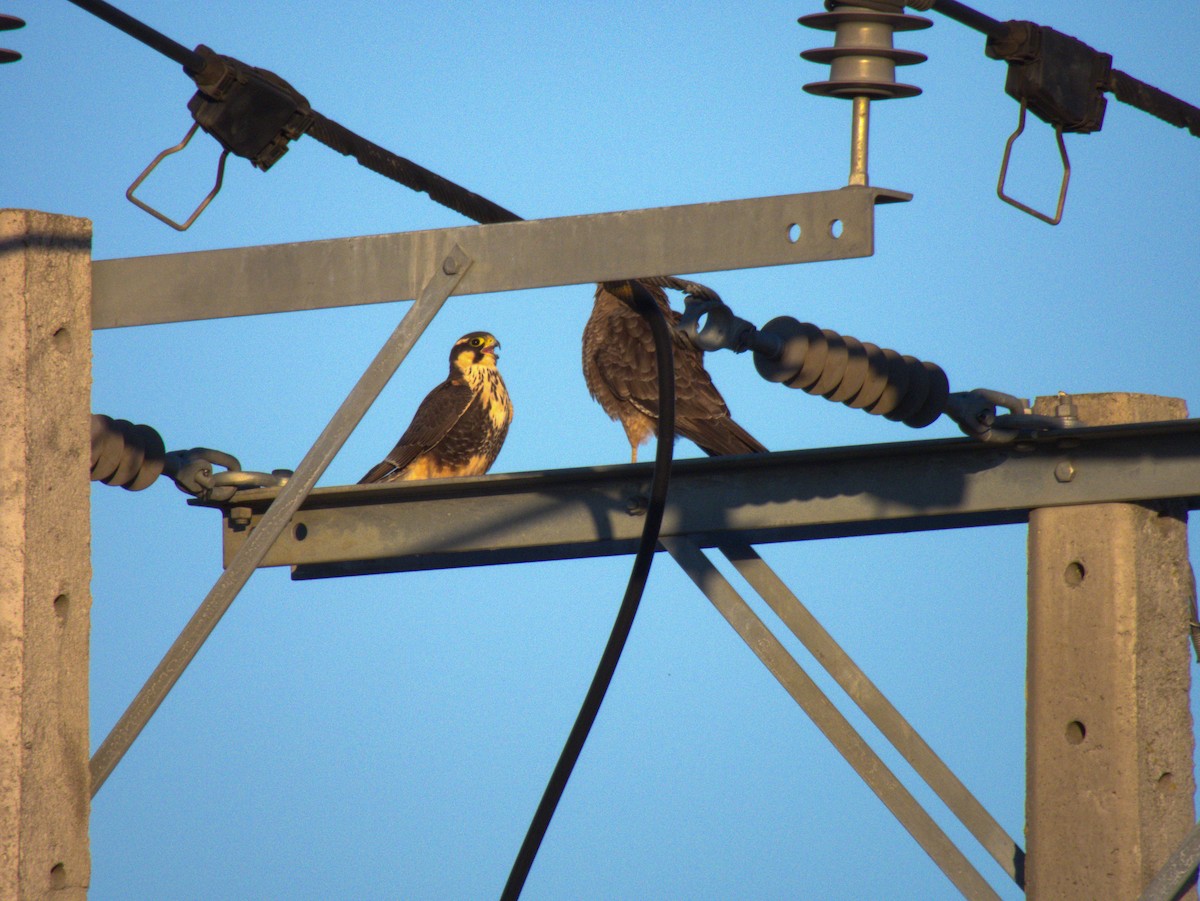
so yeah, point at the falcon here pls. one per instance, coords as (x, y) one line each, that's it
(620, 371)
(460, 425)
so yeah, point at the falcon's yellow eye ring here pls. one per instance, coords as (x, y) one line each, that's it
(477, 342)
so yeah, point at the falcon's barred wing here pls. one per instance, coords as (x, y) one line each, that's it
(621, 374)
(438, 413)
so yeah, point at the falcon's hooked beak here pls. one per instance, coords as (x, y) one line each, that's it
(493, 349)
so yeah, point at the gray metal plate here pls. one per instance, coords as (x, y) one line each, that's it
(705, 237)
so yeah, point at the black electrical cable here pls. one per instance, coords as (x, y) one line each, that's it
(410, 174)
(959, 12)
(189, 59)
(331, 134)
(629, 604)
(1155, 101)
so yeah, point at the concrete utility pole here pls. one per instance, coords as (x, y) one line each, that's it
(45, 543)
(1109, 767)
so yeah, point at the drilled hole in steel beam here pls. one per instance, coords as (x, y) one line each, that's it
(1074, 574)
(300, 531)
(1166, 782)
(61, 604)
(835, 228)
(1076, 732)
(58, 876)
(61, 338)
(794, 232)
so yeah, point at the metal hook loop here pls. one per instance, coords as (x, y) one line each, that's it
(158, 159)
(1062, 193)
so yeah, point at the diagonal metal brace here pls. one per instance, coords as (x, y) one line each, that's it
(439, 287)
(1178, 871)
(881, 780)
(885, 717)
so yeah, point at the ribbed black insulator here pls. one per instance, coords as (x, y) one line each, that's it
(855, 373)
(124, 454)
(8, 23)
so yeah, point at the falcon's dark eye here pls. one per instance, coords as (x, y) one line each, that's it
(477, 342)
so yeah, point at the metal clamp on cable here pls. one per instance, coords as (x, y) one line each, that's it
(193, 473)
(251, 112)
(711, 325)
(975, 413)
(1058, 78)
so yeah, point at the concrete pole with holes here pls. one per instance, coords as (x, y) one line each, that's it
(45, 567)
(1109, 781)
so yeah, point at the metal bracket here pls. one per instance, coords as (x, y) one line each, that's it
(1066, 179)
(826, 717)
(187, 223)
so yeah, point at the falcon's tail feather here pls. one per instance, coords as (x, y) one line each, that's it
(377, 472)
(719, 438)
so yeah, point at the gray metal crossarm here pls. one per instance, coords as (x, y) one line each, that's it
(538, 253)
(784, 496)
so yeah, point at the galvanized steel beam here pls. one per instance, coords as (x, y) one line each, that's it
(883, 715)
(1179, 869)
(785, 496)
(833, 725)
(538, 253)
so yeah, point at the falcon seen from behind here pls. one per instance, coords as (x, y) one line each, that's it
(620, 371)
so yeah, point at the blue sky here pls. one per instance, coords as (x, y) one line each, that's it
(390, 736)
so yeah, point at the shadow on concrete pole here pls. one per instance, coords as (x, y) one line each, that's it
(45, 565)
(1109, 781)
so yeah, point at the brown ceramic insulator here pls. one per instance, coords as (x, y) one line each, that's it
(935, 400)
(855, 373)
(875, 380)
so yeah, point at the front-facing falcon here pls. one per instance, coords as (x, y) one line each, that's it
(461, 424)
(621, 374)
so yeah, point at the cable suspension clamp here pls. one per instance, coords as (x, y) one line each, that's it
(1066, 176)
(251, 112)
(863, 63)
(1058, 78)
(163, 217)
